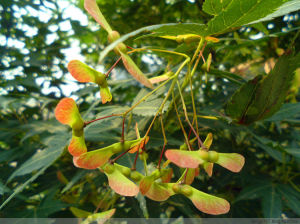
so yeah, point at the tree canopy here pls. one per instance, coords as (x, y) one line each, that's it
(173, 108)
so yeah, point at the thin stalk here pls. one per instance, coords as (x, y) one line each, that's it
(182, 128)
(198, 49)
(182, 175)
(187, 118)
(123, 127)
(101, 118)
(119, 156)
(135, 159)
(168, 94)
(112, 67)
(165, 141)
(194, 108)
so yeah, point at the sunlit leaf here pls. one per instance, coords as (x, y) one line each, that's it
(231, 161)
(160, 191)
(208, 203)
(132, 68)
(105, 93)
(184, 159)
(93, 9)
(83, 73)
(66, 112)
(191, 174)
(167, 176)
(77, 145)
(119, 182)
(139, 145)
(100, 218)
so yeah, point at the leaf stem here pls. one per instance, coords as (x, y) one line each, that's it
(112, 67)
(182, 128)
(187, 118)
(101, 118)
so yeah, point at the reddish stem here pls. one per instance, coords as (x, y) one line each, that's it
(135, 159)
(112, 67)
(123, 127)
(161, 155)
(131, 48)
(98, 119)
(119, 156)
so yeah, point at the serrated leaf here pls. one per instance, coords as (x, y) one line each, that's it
(271, 204)
(215, 7)
(132, 68)
(149, 108)
(238, 13)
(289, 198)
(238, 105)
(179, 29)
(286, 8)
(254, 191)
(43, 158)
(287, 111)
(266, 96)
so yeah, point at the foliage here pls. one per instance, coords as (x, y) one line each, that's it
(209, 76)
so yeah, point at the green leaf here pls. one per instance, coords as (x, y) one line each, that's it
(132, 68)
(79, 213)
(289, 198)
(3, 189)
(287, 111)
(293, 151)
(215, 7)
(263, 143)
(22, 186)
(271, 204)
(238, 105)
(286, 8)
(179, 29)
(237, 13)
(149, 108)
(100, 218)
(43, 158)
(254, 191)
(257, 100)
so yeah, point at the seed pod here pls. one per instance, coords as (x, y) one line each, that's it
(113, 36)
(213, 156)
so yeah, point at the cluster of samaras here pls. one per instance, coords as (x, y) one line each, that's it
(158, 185)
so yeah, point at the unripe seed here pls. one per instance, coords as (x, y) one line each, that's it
(143, 156)
(203, 155)
(78, 125)
(125, 171)
(120, 47)
(113, 36)
(77, 133)
(213, 156)
(109, 168)
(136, 176)
(176, 188)
(186, 190)
(118, 147)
